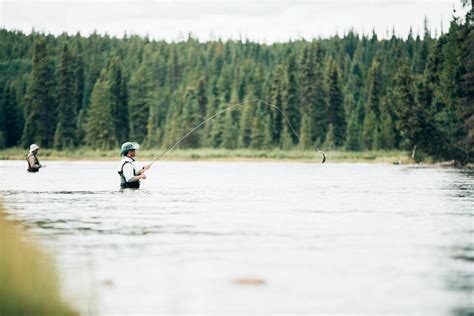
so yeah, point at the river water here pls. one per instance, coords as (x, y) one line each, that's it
(309, 238)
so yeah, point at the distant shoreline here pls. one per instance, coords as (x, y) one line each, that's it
(376, 156)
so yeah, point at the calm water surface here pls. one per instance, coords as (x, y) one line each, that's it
(332, 238)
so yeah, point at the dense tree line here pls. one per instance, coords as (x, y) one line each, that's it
(352, 92)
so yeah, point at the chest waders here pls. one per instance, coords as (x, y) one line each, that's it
(125, 184)
(30, 167)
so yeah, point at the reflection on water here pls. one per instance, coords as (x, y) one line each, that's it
(342, 238)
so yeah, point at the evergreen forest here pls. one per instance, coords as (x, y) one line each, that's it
(352, 92)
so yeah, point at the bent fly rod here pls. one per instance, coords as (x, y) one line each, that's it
(230, 107)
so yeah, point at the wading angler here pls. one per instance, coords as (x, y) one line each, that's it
(130, 175)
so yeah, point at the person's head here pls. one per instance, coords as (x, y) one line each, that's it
(128, 149)
(34, 149)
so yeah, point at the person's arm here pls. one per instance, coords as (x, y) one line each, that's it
(144, 168)
(128, 173)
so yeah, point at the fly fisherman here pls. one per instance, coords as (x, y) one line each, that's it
(129, 175)
(32, 159)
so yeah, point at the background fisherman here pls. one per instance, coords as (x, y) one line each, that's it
(129, 176)
(32, 159)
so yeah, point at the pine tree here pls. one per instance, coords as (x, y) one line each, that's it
(353, 141)
(78, 75)
(375, 89)
(258, 132)
(191, 118)
(230, 133)
(100, 129)
(267, 129)
(277, 101)
(78, 93)
(415, 122)
(65, 134)
(12, 117)
(305, 132)
(368, 130)
(386, 137)
(174, 125)
(330, 141)
(336, 112)
(218, 126)
(466, 89)
(246, 123)
(202, 97)
(118, 99)
(320, 103)
(286, 141)
(421, 55)
(307, 97)
(231, 130)
(40, 108)
(211, 108)
(290, 96)
(139, 104)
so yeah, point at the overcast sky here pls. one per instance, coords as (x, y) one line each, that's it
(261, 20)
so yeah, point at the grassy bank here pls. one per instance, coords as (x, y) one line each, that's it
(218, 154)
(28, 280)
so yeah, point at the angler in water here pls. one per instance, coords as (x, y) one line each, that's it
(32, 159)
(130, 176)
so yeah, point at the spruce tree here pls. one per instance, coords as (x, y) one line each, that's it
(353, 141)
(290, 96)
(423, 49)
(218, 126)
(307, 97)
(375, 89)
(139, 104)
(277, 101)
(258, 130)
(368, 130)
(286, 141)
(191, 118)
(100, 129)
(466, 89)
(231, 131)
(65, 134)
(320, 103)
(416, 124)
(78, 75)
(40, 113)
(12, 117)
(336, 112)
(387, 132)
(202, 97)
(246, 124)
(118, 99)
(330, 141)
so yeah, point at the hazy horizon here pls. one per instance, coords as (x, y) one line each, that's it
(263, 21)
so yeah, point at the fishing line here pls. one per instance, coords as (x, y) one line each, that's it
(164, 153)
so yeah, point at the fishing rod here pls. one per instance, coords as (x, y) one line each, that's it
(165, 152)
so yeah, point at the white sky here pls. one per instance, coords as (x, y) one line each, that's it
(260, 20)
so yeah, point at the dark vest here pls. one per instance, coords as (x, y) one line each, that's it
(128, 185)
(30, 167)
